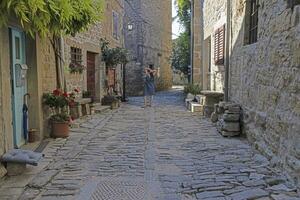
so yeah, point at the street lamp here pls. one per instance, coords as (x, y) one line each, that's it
(129, 26)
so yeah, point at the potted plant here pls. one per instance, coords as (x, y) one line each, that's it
(58, 101)
(60, 125)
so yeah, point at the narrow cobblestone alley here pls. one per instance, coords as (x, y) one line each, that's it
(163, 152)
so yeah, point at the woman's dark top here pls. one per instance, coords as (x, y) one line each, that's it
(149, 87)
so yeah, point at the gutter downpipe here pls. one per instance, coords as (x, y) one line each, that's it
(192, 41)
(227, 53)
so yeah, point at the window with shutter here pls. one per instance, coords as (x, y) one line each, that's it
(219, 47)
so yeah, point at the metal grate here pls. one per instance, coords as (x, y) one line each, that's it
(42, 146)
(119, 189)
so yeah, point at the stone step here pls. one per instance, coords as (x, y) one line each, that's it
(98, 104)
(101, 109)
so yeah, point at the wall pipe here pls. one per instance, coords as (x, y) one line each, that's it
(227, 51)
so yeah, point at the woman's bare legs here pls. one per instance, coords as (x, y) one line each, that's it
(151, 100)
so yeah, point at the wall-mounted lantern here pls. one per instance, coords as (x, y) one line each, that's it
(130, 26)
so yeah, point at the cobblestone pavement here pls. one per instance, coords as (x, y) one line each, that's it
(163, 152)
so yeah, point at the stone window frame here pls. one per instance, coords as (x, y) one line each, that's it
(251, 21)
(115, 25)
(76, 55)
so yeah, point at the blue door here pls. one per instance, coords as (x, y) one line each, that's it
(19, 81)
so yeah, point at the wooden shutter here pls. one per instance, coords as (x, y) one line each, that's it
(219, 49)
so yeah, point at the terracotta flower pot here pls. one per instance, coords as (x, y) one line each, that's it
(32, 135)
(60, 129)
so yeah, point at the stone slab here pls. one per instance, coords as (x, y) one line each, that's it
(14, 169)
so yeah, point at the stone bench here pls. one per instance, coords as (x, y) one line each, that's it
(82, 108)
(17, 159)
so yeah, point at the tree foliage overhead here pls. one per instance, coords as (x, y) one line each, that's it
(52, 17)
(184, 13)
(180, 58)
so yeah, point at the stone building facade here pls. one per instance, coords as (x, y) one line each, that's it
(264, 76)
(149, 42)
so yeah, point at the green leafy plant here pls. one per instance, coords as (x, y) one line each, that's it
(60, 117)
(193, 89)
(113, 56)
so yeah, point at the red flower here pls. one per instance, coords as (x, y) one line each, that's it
(57, 92)
(76, 90)
(65, 94)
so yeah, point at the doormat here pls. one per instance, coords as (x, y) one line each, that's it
(42, 146)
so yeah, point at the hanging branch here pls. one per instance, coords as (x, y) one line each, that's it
(52, 19)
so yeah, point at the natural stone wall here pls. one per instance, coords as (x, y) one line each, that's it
(48, 65)
(149, 42)
(265, 80)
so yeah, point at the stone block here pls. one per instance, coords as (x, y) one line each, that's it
(231, 126)
(196, 107)
(230, 133)
(214, 117)
(231, 117)
(208, 110)
(233, 110)
(14, 169)
(250, 194)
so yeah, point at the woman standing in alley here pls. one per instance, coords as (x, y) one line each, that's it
(149, 86)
